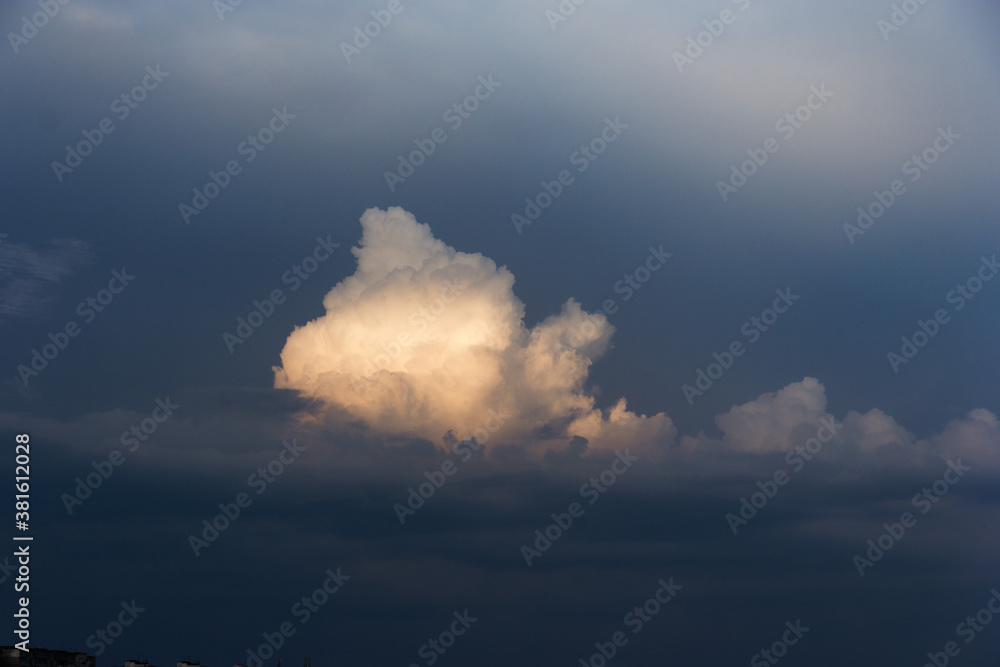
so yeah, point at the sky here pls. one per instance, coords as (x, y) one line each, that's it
(413, 333)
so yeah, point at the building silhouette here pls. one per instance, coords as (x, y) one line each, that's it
(11, 656)
(38, 657)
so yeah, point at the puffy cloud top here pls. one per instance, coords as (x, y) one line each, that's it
(424, 339)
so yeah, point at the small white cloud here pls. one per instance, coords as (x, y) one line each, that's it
(975, 437)
(875, 429)
(770, 422)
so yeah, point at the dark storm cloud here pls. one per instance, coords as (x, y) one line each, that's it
(334, 507)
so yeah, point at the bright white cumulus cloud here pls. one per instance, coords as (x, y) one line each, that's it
(424, 339)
